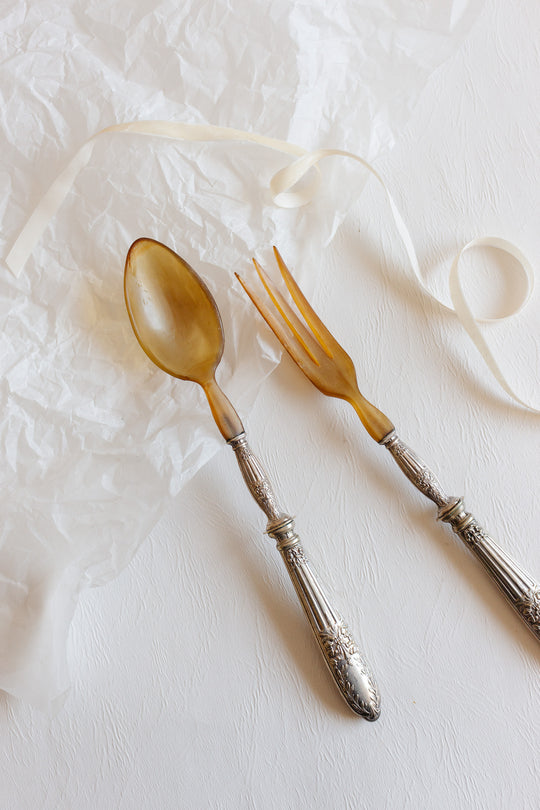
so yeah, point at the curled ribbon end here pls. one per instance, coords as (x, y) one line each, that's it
(285, 180)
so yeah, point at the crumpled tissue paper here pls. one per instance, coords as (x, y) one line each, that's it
(95, 440)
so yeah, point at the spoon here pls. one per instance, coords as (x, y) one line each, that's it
(178, 325)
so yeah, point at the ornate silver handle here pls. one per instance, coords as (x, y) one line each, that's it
(348, 667)
(522, 592)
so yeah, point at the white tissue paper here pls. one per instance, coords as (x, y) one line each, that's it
(95, 440)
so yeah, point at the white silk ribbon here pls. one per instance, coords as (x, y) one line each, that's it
(285, 195)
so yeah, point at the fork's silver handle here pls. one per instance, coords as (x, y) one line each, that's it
(348, 667)
(520, 589)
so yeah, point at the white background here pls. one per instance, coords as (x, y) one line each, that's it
(196, 681)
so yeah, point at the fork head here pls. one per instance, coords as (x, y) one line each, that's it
(313, 347)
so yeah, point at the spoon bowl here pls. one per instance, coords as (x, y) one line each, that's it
(177, 322)
(172, 312)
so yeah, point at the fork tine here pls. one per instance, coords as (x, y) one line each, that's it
(282, 331)
(299, 330)
(323, 335)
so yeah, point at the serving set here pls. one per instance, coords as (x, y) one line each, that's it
(177, 323)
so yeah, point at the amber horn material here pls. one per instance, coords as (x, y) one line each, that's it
(314, 349)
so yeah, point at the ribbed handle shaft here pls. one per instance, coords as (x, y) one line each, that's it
(519, 588)
(348, 667)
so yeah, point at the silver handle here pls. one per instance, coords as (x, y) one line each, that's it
(522, 592)
(348, 667)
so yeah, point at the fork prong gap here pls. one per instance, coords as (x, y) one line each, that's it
(288, 314)
(280, 329)
(325, 338)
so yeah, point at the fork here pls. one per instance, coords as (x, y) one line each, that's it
(328, 366)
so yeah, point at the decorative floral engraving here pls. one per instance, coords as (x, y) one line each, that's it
(473, 535)
(417, 472)
(256, 479)
(338, 643)
(295, 556)
(529, 607)
(265, 497)
(345, 660)
(428, 484)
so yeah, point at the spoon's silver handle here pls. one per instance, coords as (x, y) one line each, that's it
(341, 653)
(519, 588)
(348, 667)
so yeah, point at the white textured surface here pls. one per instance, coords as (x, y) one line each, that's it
(210, 201)
(196, 682)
